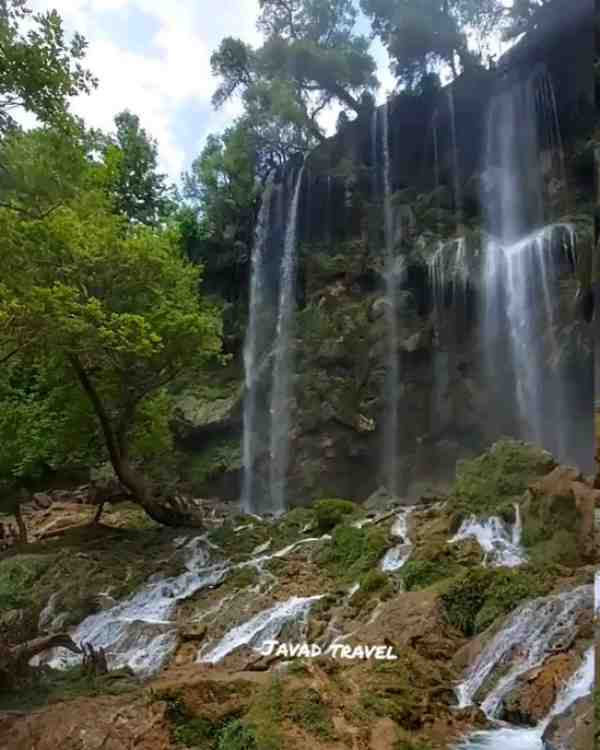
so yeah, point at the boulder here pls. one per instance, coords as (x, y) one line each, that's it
(537, 691)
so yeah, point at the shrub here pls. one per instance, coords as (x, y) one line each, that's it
(330, 513)
(479, 596)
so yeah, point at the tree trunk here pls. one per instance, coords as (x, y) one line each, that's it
(167, 511)
(14, 661)
(21, 525)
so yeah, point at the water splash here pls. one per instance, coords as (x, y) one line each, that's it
(263, 627)
(281, 392)
(500, 542)
(254, 348)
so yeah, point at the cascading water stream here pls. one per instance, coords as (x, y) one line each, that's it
(254, 349)
(393, 275)
(396, 557)
(500, 542)
(281, 392)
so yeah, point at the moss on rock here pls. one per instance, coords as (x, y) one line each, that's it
(475, 599)
(491, 483)
(330, 513)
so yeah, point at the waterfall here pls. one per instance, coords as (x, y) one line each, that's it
(254, 349)
(281, 392)
(526, 273)
(522, 270)
(393, 274)
(457, 181)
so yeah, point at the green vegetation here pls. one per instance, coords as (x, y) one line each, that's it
(419, 574)
(550, 525)
(408, 690)
(214, 461)
(41, 69)
(474, 600)
(423, 35)
(237, 736)
(311, 57)
(52, 686)
(491, 483)
(305, 707)
(373, 582)
(353, 552)
(330, 513)
(79, 566)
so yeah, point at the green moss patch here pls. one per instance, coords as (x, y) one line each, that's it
(491, 483)
(330, 513)
(353, 552)
(475, 599)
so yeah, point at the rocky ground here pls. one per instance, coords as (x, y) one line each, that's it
(437, 613)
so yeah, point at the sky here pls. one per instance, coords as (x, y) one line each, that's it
(153, 58)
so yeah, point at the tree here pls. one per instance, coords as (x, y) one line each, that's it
(39, 68)
(115, 308)
(422, 35)
(535, 17)
(311, 58)
(139, 190)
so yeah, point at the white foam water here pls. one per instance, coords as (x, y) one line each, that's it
(396, 557)
(500, 542)
(261, 628)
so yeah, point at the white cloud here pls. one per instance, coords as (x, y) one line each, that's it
(164, 77)
(171, 72)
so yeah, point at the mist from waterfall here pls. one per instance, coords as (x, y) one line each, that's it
(523, 262)
(281, 391)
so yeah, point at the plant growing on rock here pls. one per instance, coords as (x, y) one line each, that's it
(330, 513)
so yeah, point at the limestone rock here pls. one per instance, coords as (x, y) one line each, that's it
(572, 730)
(534, 695)
(110, 723)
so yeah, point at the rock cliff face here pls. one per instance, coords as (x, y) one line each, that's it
(452, 402)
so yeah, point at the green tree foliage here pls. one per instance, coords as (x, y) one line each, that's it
(139, 190)
(222, 191)
(311, 58)
(423, 35)
(114, 307)
(39, 68)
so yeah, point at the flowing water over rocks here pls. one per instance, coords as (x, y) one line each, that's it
(398, 555)
(501, 544)
(139, 632)
(532, 632)
(263, 627)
